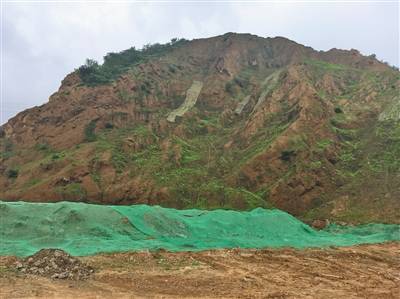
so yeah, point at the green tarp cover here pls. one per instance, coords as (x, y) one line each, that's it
(85, 229)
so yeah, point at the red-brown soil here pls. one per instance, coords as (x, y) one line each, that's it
(366, 271)
(317, 138)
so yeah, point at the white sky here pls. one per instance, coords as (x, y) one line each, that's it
(43, 42)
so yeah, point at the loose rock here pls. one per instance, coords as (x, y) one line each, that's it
(320, 224)
(56, 264)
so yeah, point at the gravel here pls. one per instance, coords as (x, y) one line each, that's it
(55, 264)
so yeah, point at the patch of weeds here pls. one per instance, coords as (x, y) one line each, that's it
(254, 200)
(57, 156)
(43, 147)
(262, 141)
(119, 160)
(296, 144)
(386, 156)
(103, 144)
(94, 173)
(96, 178)
(323, 144)
(325, 66)
(189, 153)
(89, 131)
(148, 159)
(195, 263)
(113, 144)
(315, 164)
(322, 94)
(32, 183)
(189, 156)
(349, 174)
(6, 147)
(354, 214)
(350, 162)
(124, 95)
(74, 191)
(344, 134)
(347, 157)
(339, 120)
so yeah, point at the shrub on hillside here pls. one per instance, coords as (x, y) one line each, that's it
(12, 173)
(92, 73)
(90, 134)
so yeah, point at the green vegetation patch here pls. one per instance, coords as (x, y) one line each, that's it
(6, 148)
(323, 144)
(89, 131)
(72, 192)
(32, 182)
(115, 64)
(325, 66)
(387, 159)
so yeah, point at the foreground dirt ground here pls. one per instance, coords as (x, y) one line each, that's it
(367, 271)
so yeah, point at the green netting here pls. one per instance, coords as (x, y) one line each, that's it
(84, 229)
(191, 98)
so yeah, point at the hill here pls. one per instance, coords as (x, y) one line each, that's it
(234, 121)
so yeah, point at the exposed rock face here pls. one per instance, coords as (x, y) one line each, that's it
(234, 121)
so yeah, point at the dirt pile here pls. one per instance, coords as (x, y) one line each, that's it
(56, 264)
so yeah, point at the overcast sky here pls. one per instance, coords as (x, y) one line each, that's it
(42, 42)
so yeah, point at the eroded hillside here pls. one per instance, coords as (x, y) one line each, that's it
(235, 121)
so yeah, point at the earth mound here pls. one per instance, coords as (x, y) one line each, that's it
(86, 229)
(56, 264)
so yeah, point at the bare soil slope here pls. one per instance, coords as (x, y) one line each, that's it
(273, 123)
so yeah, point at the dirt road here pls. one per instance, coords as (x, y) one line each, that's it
(367, 271)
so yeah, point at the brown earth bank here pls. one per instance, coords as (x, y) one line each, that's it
(235, 121)
(365, 271)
